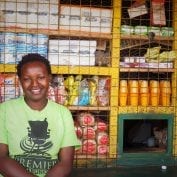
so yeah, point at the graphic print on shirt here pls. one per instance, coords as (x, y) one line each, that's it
(35, 146)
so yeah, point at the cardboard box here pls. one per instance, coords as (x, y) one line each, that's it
(29, 14)
(72, 46)
(137, 11)
(71, 59)
(85, 19)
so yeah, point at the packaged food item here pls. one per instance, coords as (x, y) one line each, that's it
(100, 126)
(141, 30)
(102, 149)
(89, 147)
(127, 29)
(88, 133)
(86, 119)
(102, 138)
(167, 31)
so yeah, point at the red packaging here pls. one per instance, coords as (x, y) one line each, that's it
(89, 147)
(78, 131)
(102, 138)
(101, 126)
(102, 149)
(86, 119)
(88, 133)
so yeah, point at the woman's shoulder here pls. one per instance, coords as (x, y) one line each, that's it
(11, 102)
(58, 106)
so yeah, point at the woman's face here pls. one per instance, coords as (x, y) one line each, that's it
(35, 81)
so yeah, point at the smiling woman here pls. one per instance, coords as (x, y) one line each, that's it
(34, 131)
(35, 77)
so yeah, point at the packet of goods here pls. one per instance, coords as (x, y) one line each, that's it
(86, 119)
(167, 31)
(88, 133)
(167, 56)
(92, 88)
(141, 30)
(9, 79)
(102, 138)
(127, 29)
(103, 91)
(68, 82)
(84, 93)
(78, 130)
(100, 125)
(61, 95)
(152, 54)
(102, 149)
(89, 147)
(51, 93)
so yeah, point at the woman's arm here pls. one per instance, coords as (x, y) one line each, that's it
(64, 166)
(10, 167)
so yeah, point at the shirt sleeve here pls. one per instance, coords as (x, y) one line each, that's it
(70, 137)
(3, 130)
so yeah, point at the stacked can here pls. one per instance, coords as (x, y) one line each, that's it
(123, 93)
(133, 92)
(144, 92)
(154, 92)
(165, 92)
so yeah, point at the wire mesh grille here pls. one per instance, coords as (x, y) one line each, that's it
(93, 51)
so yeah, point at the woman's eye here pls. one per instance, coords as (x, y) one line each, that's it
(26, 79)
(41, 78)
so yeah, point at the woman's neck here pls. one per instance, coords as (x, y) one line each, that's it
(36, 105)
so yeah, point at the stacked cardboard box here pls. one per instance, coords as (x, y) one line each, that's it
(41, 14)
(72, 52)
(85, 19)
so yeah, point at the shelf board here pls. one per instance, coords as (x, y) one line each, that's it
(86, 70)
(153, 70)
(146, 109)
(7, 68)
(142, 37)
(50, 32)
(89, 108)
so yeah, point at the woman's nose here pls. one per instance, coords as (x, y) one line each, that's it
(34, 82)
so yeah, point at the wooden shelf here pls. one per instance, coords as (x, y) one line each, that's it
(153, 70)
(50, 32)
(86, 70)
(148, 109)
(89, 108)
(142, 37)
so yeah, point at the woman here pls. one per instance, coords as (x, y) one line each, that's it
(37, 136)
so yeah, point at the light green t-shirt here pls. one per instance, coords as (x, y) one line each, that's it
(35, 137)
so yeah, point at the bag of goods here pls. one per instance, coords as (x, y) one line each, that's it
(152, 54)
(86, 119)
(102, 149)
(167, 56)
(59, 89)
(78, 130)
(61, 95)
(92, 88)
(51, 93)
(100, 125)
(88, 133)
(102, 138)
(89, 147)
(103, 91)
(84, 93)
